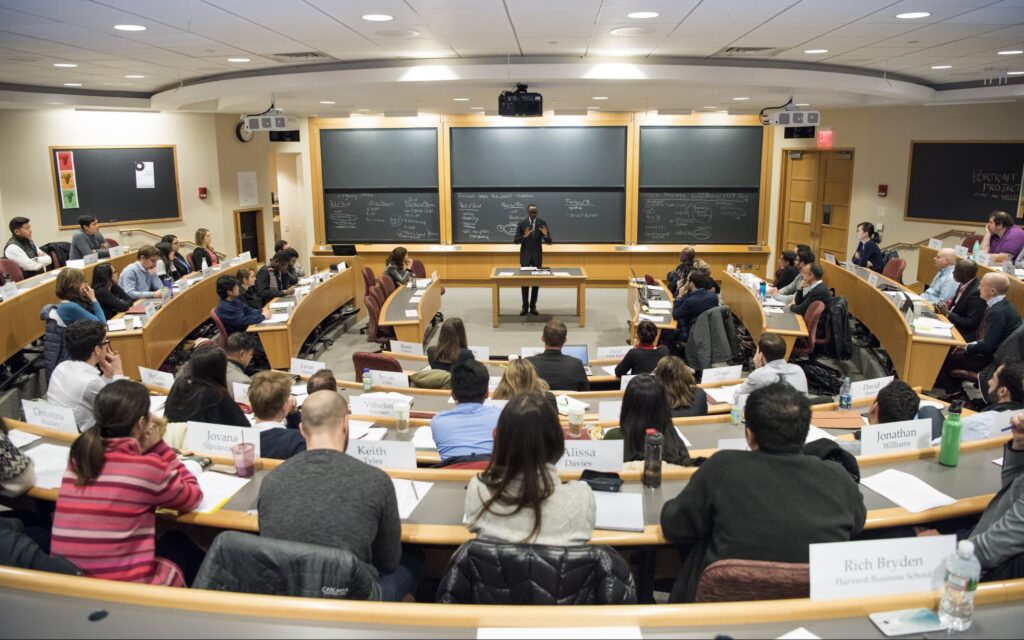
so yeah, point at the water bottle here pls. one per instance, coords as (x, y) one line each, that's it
(205, 266)
(845, 398)
(762, 291)
(962, 572)
(736, 409)
(949, 447)
(652, 459)
(169, 285)
(367, 381)
(975, 251)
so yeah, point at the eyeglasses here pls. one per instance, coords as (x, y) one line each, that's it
(105, 343)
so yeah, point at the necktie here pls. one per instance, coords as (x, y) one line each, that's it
(981, 327)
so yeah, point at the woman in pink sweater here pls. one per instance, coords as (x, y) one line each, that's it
(119, 472)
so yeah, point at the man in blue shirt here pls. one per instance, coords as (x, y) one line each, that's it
(139, 279)
(943, 287)
(232, 310)
(467, 431)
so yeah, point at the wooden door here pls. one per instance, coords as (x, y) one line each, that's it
(815, 210)
(249, 232)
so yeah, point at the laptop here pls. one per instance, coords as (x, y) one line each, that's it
(580, 351)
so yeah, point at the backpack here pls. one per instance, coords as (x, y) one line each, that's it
(838, 318)
(822, 380)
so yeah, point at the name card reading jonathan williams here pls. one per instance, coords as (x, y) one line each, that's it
(384, 454)
(868, 388)
(896, 436)
(600, 455)
(878, 567)
(217, 439)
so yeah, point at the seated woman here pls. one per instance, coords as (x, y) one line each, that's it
(520, 377)
(451, 346)
(645, 406)
(202, 394)
(167, 258)
(119, 473)
(787, 271)
(868, 254)
(180, 263)
(204, 250)
(685, 398)
(398, 266)
(519, 498)
(644, 355)
(112, 298)
(78, 301)
(247, 288)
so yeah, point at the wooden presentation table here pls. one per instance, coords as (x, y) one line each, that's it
(150, 345)
(21, 313)
(282, 341)
(917, 358)
(926, 271)
(517, 277)
(396, 311)
(659, 291)
(744, 303)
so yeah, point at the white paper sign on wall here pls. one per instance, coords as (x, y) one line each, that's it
(868, 388)
(217, 439)
(891, 437)
(45, 414)
(600, 455)
(306, 367)
(156, 378)
(878, 567)
(384, 454)
(721, 374)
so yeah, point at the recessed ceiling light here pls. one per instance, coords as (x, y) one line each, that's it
(631, 31)
(64, 65)
(643, 15)
(363, 110)
(129, 27)
(1011, 52)
(378, 17)
(599, 98)
(913, 15)
(1015, 73)
(942, 66)
(72, 84)
(593, 108)
(812, 51)
(135, 77)
(741, 98)
(477, 108)
(803, 104)
(461, 99)
(328, 102)
(239, 60)
(711, 106)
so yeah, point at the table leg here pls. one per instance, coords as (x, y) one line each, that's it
(581, 303)
(495, 303)
(790, 342)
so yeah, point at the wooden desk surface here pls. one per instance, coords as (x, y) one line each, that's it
(751, 313)
(393, 313)
(658, 291)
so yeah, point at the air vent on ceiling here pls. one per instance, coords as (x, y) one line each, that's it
(749, 52)
(302, 56)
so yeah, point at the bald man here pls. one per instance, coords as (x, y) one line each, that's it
(943, 287)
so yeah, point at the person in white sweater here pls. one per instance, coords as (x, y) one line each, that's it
(519, 498)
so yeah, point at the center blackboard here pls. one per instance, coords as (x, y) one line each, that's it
(720, 217)
(487, 216)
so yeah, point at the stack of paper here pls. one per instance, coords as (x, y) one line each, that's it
(908, 491)
(423, 438)
(276, 318)
(562, 274)
(654, 319)
(723, 394)
(565, 403)
(772, 302)
(358, 428)
(660, 304)
(50, 462)
(409, 494)
(619, 511)
(609, 369)
(218, 489)
(282, 305)
(21, 438)
(933, 327)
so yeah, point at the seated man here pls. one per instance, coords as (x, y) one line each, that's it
(272, 281)
(772, 367)
(561, 372)
(943, 287)
(812, 290)
(1012, 350)
(804, 257)
(999, 535)
(139, 279)
(270, 396)
(1005, 388)
(897, 402)
(76, 381)
(361, 513)
(681, 273)
(768, 503)
(965, 308)
(23, 251)
(468, 429)
(322, 380)
(1003, 240)
(240, 348)
(232, 310)
(88, 239)
(696, 297)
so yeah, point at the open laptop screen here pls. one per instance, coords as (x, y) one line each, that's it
(577, 351)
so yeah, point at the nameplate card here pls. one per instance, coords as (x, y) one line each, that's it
(150, 307)
(389, 378)
(493, 402)
(1008, 268)
(480, 353)
(891, 437)
(868, 388)
(492, 383)
(245, 256)
(117, 325)
(609, 410)
(849, 266)
(600, 455)
(156, 378)
(217, 439)
(961, 252)
(9, 290)
(934, 243)
(92, 258)
(117, 251)
(433, 276)
(873, 279)
(370, 404)
(624, 382)
(306, 367)
(407, 348)
(612, 352)
(722, 374)
(829, 258)
(984, 259)
(526, 352)
(384, 454)
(240, 392)
(45, 414)
(878, 567)
(341, 266)
(75, 264)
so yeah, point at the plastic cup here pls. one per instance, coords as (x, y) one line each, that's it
(245, 459)
(402, 417)
(576, 421)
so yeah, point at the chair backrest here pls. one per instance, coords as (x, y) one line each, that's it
(375, 361)
(969, 241)
(500, 573)
(368, 278)
(377, 293)
(894, 269)
(740, 580)
(386, 283)
(811, 318)
(222, 332)
(246, 563)
(418, 270)
(372, 319)
(11, 270)
(55, 258)
(112, 243)
(191, 263)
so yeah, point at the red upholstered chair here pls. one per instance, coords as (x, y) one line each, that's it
(222, 332)
(894, 269)
(375, 332)
(805, 346)
(420, 271)
(742, 580)
(377, 294)
(969, 241)
(386, 284)
(375, 362)
(11, 271)
(112, 243)
(473, 464)
(191, 264)
(368, 278)
(55, 259)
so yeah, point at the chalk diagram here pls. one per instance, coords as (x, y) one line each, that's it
(508, 229)
(344, 220)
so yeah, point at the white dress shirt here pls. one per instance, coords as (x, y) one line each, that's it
(942, 288)
(16, 253)
(74, 384)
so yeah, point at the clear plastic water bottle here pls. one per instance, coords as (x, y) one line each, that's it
(736, 409)
(367, 381)
(204, 266)
(845, 398)
(652, 458)
(169, 285)
(975, 251)
(963, 570)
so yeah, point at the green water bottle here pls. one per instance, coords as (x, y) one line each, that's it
(949, 449)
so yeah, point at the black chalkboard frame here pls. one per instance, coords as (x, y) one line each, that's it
(58, 201)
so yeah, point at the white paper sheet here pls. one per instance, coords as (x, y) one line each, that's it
(723, 394)
(609, 369)
(799, 634)
(116, 325)
(156, 405)
(561, 274)
(654, 319)
(376, 433)
(908, 491)
(565, 403)
(686, 440)
(814, 433)
(619, 511)
(218, 488)
(409, 494)
(506, 274)
(772, 302)
(276, 318)
(358, 428)
(281, 305)
(660, 304)
(998, 461)
(22, 438)
(412, 313)
(50, 462)
(423, 438)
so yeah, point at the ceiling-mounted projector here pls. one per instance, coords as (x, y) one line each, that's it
(794, 118)
(520, 103)
(273, 120)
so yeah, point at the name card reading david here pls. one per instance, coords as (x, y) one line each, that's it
(407, 348)
(45, 414)
(306, 367)
(156, 378)
(609, 353)
(389, 378)
(384, 454)
(868, 388)
(480, 353)
(373, 404)
(721, 374)
(600, 455)
(907, 435)
(878, 567)
(217, 439)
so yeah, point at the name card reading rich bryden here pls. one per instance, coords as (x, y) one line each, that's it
(868, 388)
(890, 437)
(599, 455)
(384, 454)
(878, 567)
(217, 439)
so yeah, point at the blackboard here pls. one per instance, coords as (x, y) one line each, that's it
(352, 216)
(964, 181)
(572, 216)
(703, 217)
(115, 184)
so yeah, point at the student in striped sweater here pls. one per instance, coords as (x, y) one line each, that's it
(119, 472)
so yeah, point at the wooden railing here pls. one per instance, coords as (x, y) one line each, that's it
(948, 233)
(186, 246)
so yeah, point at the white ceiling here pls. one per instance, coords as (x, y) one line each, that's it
(186, 40)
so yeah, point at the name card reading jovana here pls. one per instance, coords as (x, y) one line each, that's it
(600, 455)
(896, 436)
(868, 388)
(49, 415)
(384, 454)
(878, 567)
(217, 439)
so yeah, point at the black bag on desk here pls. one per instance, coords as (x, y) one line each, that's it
(822, 380)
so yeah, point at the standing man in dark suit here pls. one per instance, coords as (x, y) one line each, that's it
(531, 234)
(812, 289)
(966, 308)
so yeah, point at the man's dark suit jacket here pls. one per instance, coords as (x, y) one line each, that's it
(819, 293)
(530, 252)
(968, 311)
(1000, 321)
(561, 372)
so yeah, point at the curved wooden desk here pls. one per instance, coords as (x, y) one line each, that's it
(659, 291)
(788, 325)
(407, 329)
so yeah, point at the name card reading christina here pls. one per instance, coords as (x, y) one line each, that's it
(868, 388)
(217, 439)
(600, 455)
(878, 567)
(896, 436)
(45, 414)
(407, 348)
(384, 454)
(306, 367)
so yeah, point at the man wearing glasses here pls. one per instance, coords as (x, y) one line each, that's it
(92, 366)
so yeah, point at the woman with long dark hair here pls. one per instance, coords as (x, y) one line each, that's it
(112, 298)
(451, 347)
(180, 263)
(519, 497)
(168, 256)
(398, 265)
(645, 406)
(202, 393)
(868, 254)
(685, 398)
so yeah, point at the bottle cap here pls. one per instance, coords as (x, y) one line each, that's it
(965, 548)
(956, 407)
(651, 431)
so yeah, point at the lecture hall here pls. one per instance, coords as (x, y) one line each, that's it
(512, 318)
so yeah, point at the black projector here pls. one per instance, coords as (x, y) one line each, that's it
(520, 103)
